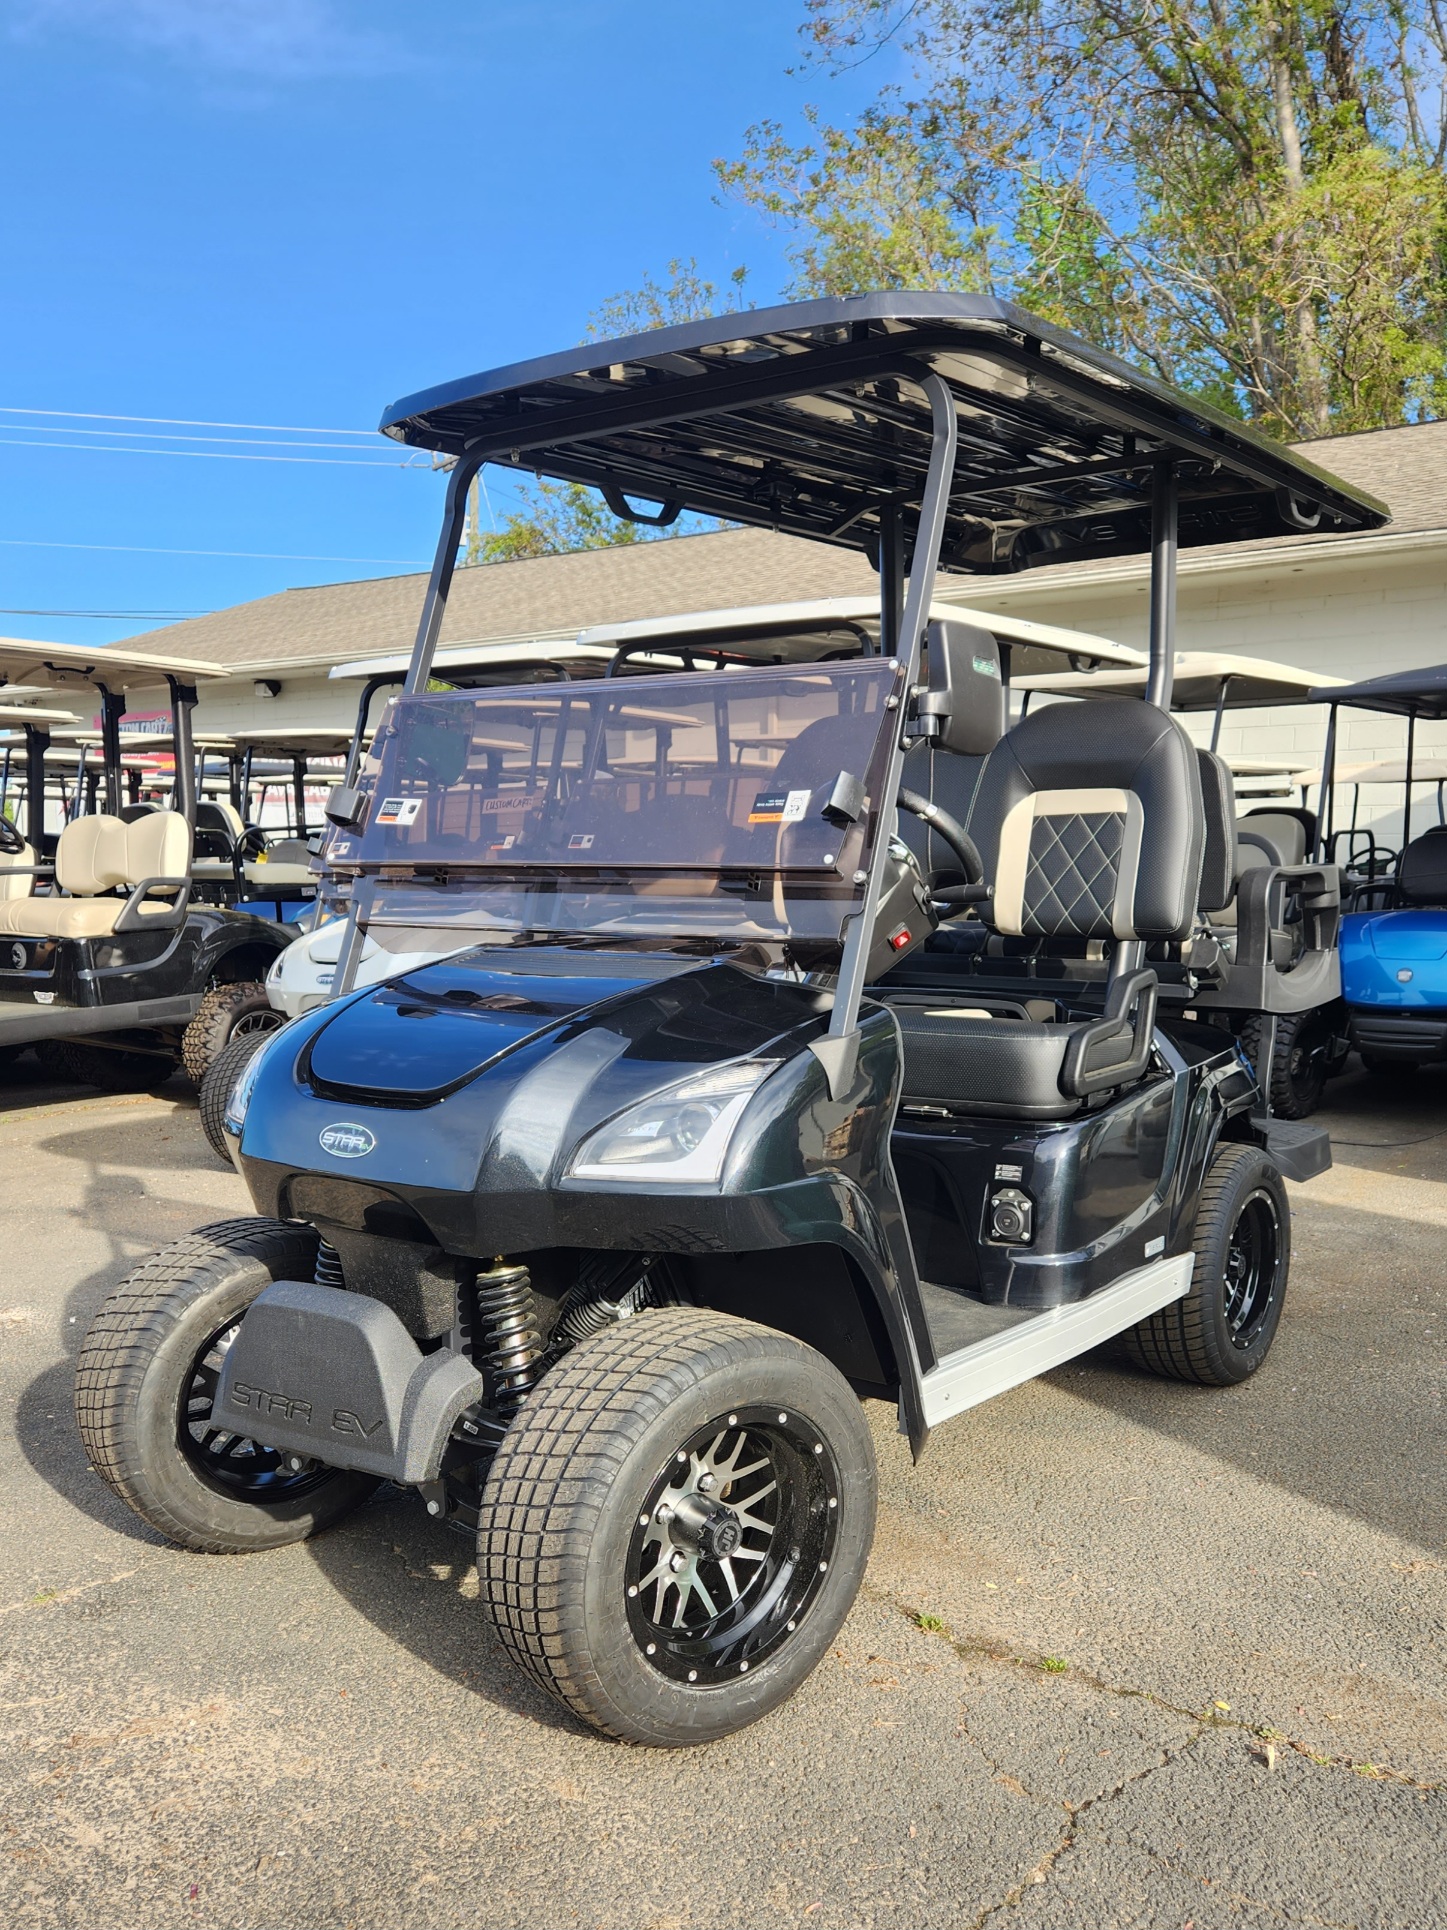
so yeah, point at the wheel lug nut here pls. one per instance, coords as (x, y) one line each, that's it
(705, 1482)
(678, 1561)
(693, 1675)
(665, 1512)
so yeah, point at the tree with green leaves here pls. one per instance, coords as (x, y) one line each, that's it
(567, 516)
(1247, 196)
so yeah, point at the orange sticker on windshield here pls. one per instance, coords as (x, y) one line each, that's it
(779, 807)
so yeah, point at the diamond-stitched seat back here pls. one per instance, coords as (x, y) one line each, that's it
(1090, 822)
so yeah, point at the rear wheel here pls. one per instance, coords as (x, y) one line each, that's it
(146, 1380)
(1300, 1063)
(1222, 1330)
(220, 1082)
(111, 1069)
(226, 1012)
(677, 1523)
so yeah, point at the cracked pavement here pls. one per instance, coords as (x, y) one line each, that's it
(1128, 1653)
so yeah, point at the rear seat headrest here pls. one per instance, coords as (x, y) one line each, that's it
(1422, 871)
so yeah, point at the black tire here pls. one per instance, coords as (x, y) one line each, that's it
(219, 1083)
(225, 1013)
(143, 1383)
(1300, 1065)
(110, 1069)
(1220, 1333)
(571, 1507)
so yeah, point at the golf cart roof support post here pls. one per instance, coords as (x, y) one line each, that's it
(1164, 529)
(298, 791)
(112, 709)
(183, 756)
(1411, 759)
(364, 711)
(234, 788)
(891, 579)
(1226, 683)
(37, 743)
(444, 562)
(838, 1051)
(1326, 799)
(246, 783)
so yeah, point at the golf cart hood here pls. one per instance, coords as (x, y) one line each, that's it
(455, 1098)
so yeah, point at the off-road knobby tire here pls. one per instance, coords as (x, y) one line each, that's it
(561, 1499)
(225, 1012)
(1298, 1069)
(110, 1069)
(136, 1364)
(1189, 1339)
(220, 1082)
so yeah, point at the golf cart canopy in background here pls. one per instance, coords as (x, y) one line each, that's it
(829, 627)
(1202, 680)
(1405, 693)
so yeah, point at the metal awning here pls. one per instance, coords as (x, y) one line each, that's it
(1201, 678)
(808, 419)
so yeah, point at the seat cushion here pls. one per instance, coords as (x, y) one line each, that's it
(15, 880)
(1000, 1067)
(55, 917)
(90, 855)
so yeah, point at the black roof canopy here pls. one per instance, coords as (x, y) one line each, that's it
(1405, 693)
(807, 419)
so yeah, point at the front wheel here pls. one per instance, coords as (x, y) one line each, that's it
(225, 1013)
(146, 1380)
(1222, 1330)
(219, 1083)
(677, 1523)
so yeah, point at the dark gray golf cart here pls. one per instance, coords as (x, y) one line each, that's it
(105, 962)
(597, 1233)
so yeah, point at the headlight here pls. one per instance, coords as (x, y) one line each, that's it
(679, 1135)
(234, 1116)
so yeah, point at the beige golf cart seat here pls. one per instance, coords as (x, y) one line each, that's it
(97, 856)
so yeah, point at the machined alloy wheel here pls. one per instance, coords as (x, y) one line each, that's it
(676, 1524)
(1222, 1330)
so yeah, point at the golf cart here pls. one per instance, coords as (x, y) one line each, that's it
(1394, 938)
(597, 1234)
(1263, 964)
(105, 963)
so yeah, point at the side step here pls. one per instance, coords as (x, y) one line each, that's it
(963, 1380)
(1300, 1151)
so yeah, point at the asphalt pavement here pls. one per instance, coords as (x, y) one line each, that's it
(1128, 1653)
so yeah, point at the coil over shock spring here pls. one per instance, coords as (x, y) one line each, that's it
(328, 1269)
(507, 1342)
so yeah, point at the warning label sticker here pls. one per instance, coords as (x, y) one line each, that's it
(399, 810)
(779, 807)
(581, 841)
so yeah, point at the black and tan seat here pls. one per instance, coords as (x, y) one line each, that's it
(96, 857)
(1090, 823)
(17, 873)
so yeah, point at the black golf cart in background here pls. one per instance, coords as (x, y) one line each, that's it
(597, 1233)
(104, 960)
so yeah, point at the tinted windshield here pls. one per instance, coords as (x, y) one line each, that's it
(595, 793)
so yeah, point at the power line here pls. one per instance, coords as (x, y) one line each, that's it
(183, 422)
(106, 616)
(260, 556)
(210, 455)
(153, 435)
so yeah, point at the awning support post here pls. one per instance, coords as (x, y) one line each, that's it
(298, 793)
(183, 755)
(1411, 759)
(1326, 800)
(1221, 696)
(37, 743)
(444, 563)
(1164, 523)
(112, 709)
(838, 1052)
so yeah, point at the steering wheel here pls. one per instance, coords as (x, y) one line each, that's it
(949, 830)
(11, 842)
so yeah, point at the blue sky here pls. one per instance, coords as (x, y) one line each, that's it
(288, 212)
